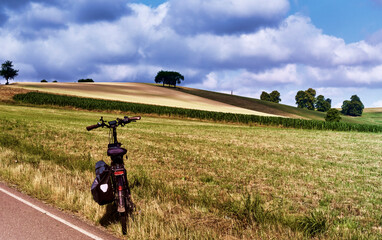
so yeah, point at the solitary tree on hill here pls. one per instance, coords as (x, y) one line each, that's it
(168, 77)
(7, 71)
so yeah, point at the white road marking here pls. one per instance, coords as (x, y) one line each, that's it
(51, 215)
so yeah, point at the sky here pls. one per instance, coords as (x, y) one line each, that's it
(239, 46)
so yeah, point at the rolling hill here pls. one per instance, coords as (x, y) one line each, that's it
(191, 98)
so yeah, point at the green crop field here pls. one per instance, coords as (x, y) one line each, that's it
(202, 180)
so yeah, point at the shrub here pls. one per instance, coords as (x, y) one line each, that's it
(333, 115)
(44, 81)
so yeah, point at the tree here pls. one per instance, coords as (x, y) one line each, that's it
(265, 96)
(44, 81)
(85, 80)
(168, 77)
(333, 115)
(354, 107)
(323, 104)
(311, 92)
(7, 71)
(275, 96)
(306, 99)
(300, 99)
(311, 98)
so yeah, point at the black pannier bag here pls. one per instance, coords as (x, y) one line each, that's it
(102, 189)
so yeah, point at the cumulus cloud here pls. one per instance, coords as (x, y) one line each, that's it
(249, 82)
(33, 14)
(375, 38)
(346, 76)
(36, 20)
(224, 16)
(99, 10)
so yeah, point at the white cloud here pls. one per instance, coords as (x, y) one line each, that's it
(283, 75)
(211, 81)
(346, 76)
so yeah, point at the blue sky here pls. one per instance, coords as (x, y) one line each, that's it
(352, 20)
(244, 46)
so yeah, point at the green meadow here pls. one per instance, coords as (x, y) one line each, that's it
(201, 180)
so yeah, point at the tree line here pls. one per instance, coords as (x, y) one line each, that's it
(307, 99)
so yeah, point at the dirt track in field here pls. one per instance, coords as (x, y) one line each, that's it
(138, 93)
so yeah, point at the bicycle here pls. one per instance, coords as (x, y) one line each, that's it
(111, 183)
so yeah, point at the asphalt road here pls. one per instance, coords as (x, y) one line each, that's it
(22, 217)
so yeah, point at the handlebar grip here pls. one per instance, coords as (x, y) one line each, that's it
(89, 128)
(131, 119)
(135, 118)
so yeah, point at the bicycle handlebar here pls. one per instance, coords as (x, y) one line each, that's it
(113, 124)
(89, 128)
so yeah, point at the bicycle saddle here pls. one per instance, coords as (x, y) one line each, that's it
(116, 151)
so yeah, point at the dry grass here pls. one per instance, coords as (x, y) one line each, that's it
(7, 92)
(138, 93)
(190, 179)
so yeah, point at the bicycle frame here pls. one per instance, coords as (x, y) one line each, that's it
(119, 178)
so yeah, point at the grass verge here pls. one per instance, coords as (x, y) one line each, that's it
(193, 180)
